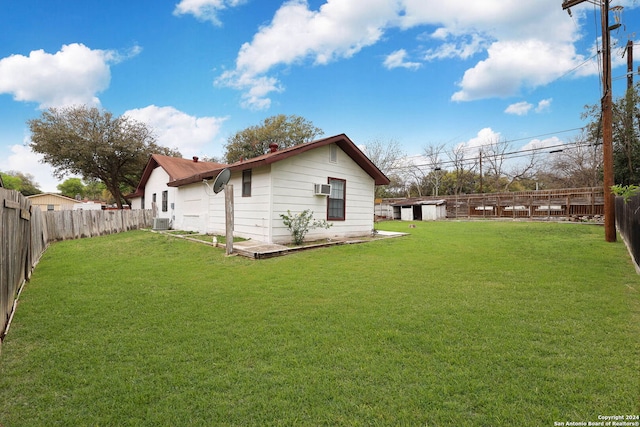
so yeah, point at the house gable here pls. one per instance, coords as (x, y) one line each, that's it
(175, 168)
(52, 201)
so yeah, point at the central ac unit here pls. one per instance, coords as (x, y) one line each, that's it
(322, 189)
(160, 223)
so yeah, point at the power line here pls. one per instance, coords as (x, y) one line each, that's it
(505, 156)
(508, 141)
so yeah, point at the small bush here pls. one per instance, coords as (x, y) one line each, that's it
(300, 224)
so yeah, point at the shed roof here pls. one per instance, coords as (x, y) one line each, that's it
(414, 202)
(341, 141)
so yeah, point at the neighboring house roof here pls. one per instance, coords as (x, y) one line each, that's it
(176, 168)
(60, 197)
(341, 141)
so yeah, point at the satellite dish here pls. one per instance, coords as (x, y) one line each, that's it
(221, 180)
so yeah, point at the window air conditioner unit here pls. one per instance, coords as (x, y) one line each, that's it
(322, 189)
(160, 223)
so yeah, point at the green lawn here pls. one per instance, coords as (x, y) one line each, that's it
(458, 324)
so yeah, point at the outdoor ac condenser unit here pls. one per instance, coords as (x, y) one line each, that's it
(322, 189)
(160, 223)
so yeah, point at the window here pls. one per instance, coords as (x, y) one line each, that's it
(165, 201)
(336, 201)
(51, 207)
(333, 153)
(153, 198)
(142, 202)
(246, 183)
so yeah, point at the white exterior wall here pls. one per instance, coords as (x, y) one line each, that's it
(251, 214)
(191, 208)
(157, 183)
(136, 203)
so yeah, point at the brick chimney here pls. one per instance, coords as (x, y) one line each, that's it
(273, 147)
(195, 159)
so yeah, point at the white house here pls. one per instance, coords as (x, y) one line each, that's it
(152, 191)
(330, 176)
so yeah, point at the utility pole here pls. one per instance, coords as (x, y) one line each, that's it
(481, 170)
(607, 121)
(629, 64)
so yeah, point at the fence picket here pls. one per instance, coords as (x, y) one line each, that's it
(26, 231)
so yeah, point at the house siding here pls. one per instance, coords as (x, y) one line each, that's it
(191, 208)
(251, 214)
(59, 203)
(293, 181)
(157, 183)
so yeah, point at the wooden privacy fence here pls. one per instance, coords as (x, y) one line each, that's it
(628, 224)
(20, 249)
(25, 232)
(570, 202)
(68, 224)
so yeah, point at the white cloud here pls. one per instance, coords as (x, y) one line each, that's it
(485, 136)
(176, 129)
(525, 43)
(339, 29)
(462, 47)
(523, 108)
(23, 159)
(519, 108)
(397, 59)
(539, 144)
(514, 65)
(205, 10)
(544, 105)
(72, 76)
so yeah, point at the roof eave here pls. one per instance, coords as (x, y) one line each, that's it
(341, 140)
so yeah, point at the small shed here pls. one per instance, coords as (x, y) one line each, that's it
(422, 210)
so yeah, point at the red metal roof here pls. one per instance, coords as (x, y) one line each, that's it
(176, 167)
(341, 141)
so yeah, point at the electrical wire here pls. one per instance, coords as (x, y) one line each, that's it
(505, 156)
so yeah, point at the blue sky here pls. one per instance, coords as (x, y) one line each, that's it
(420, 72)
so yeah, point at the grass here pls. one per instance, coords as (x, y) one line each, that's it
(458, 324)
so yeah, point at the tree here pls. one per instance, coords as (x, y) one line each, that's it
(463, 170)
(626, 134)
(501, 175)
(94, 190)
(626, 138)
(434, 162)
(22, 182)
(388, 157)
(578, 164)
(95, 144)
(72, 187)
(286, 131)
